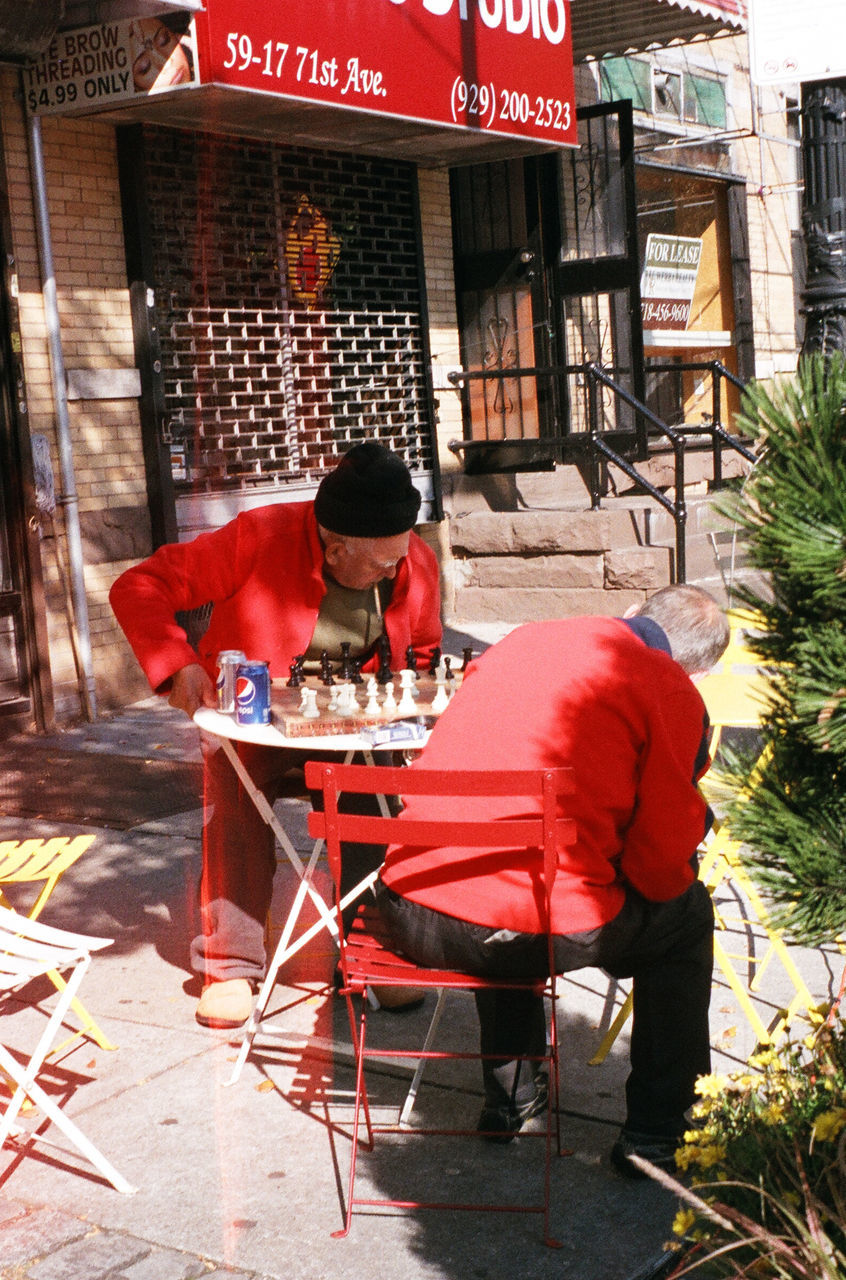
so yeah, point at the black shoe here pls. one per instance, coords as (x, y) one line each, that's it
(658, 1149)
(503, 1123)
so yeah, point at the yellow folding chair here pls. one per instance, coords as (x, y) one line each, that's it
(39, 861)
(735, 695)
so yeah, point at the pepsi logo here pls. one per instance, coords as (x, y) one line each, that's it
(245, 690)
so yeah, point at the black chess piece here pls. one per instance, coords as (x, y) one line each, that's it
(345, 670)
(326, 669)
(355, 671)
(449, 674)
(297, 673)
(384, 672)
(410, 658)
(434, 661)
(467, 655)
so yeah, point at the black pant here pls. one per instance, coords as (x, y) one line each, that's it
(666, 947)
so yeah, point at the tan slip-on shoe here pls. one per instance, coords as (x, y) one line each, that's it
(225, 1005)
(398, 999)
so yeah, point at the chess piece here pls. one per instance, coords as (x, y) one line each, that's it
(434, 661)
(345, 670)
(384, 674)
(467, 655)
(355, 671)
(347, 703)
(297, 677)
(325, 669)
(390, 703)
(310, 709)
(441, 698)
(411, 659)
(372, 707)
(406, 702)
(448, 672)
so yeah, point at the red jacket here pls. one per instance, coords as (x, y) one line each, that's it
(263, 572)
(585, 692)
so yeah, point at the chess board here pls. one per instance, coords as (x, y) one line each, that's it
(288, 719)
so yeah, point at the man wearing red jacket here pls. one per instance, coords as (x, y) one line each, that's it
(285, 580)
(614, 699)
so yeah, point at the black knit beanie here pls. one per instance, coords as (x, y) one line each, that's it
(368, 495)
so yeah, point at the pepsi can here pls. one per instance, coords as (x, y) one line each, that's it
(252, 693)
(228, 661)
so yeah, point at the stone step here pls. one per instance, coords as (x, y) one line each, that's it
(523, 564)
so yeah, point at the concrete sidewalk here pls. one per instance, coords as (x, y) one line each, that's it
(247, 1180)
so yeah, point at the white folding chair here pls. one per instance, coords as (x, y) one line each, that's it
(30, 950)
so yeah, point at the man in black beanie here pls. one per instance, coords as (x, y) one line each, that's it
(291, 579)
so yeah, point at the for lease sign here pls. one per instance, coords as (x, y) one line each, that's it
(501, 66)
(668, 281)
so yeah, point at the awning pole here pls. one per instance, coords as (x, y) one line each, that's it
(69, 499)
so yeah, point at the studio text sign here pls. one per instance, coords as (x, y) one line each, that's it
(495, 66)
(501, 66)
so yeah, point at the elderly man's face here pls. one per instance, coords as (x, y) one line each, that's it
(359, 563)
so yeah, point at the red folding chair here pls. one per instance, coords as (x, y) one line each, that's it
(368, 959)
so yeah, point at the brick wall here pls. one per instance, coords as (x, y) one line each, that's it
(96, 333)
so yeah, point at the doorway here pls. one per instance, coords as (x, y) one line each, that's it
(547, 279)
(25, 689)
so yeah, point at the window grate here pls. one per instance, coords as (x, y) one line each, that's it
(289, 308)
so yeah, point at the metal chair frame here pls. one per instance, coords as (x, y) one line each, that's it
(42, 861)
(30, 950)
(367, 957)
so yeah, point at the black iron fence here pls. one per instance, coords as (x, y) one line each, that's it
(606, 424)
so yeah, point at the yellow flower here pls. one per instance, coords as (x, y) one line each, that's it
(711, 1086)
(709, 1156)
(764, 1058)
(683, 1221)
(828, 1124)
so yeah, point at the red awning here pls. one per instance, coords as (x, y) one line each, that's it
(602, 27)
(598, 28)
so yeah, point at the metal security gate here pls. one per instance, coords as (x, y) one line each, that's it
(288, 312)
(547, 278)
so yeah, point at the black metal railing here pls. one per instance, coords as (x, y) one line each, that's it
(711, 425)
(597, 440)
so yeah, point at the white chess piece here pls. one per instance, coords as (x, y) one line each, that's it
(441, 698)
(406, 703)
(310, 710)
(390, 703)
(372, 708)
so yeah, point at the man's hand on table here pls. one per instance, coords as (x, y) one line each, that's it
(192, 688)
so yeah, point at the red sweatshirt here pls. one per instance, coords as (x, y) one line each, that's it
(585, 692)
(263, 572)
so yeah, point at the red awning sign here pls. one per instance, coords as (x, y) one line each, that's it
(502, 66)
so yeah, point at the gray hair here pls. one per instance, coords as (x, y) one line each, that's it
(693, 622)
